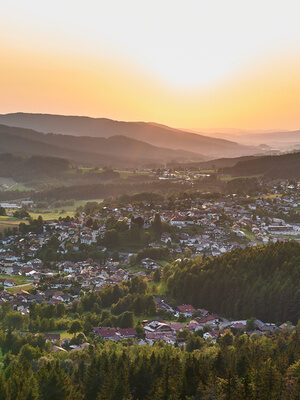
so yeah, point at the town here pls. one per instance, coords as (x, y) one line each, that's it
(58, 261)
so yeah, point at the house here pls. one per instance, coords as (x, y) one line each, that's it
(52, 337)
(166, 337)
(106, 333)
(166, 237)
(115, 333)
(186, 309)
(156, 326)
(8, 283)
(178, 221)
(126, 333)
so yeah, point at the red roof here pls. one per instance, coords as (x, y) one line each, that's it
(207, 318)
(105, 332)
(186, 308)
(52, 336)
(127, 332)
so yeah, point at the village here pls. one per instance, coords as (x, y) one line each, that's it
(63, 259)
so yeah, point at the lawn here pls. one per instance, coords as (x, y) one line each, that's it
(26, 287)
(18, 279)
(47, 215)
(10, 222)
(64, 211)
(64, 334)
(232, 177)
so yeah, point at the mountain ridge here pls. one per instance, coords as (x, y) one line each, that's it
(155, 134)
(118, 151)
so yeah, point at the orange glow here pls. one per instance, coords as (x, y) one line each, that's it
(264, 97)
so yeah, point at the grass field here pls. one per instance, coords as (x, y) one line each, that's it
(21, 282)
(9, 222)
(63, 212)
(47, 215)
(10, 184)
(231, 177)
(15, 289)
(64, 334)
(18, 279)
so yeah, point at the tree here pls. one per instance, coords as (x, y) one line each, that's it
(2, 211)
(111, 238)
(157, 226)
(27, 353)
(250, 325)
(13, 320)
(75, 327)
(126, 319)
(21, 214)
(157, 275)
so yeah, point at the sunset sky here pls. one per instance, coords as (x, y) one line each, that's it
(214, 64)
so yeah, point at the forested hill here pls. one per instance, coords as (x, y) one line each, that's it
(283, 166)
(23, 168)
(262, 282)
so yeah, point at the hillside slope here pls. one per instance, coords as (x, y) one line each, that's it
(117, 151)
(282, 166)
(260, 281)
(155, 134)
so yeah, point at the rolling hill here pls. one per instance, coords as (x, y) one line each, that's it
(282, 166)
(151, 133)
(116, 151)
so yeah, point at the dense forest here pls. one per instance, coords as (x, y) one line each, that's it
(261, 281)
(24, 168)
(239, 368)
(106, 190)
(282, 166)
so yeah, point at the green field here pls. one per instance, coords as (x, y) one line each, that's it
(15, 289)
(231, 177)
(18, 279)
(47, 215)
(10, 184)
(64, 211)
(9, 222)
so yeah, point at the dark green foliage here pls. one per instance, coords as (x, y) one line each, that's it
(2, 211)
(243, 186)
(258, 281)
(28, 168)
(235, 368)
(282, 166)
(161, 253)
(157, 225)
(21, 214)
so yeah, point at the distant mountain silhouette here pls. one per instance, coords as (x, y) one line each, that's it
(116, 151)
(152, 133)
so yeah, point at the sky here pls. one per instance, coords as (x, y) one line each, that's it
(199, 65)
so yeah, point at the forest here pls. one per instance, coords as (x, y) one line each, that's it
(283, 166)
(24, 168)
(260, 281)
(235, 368)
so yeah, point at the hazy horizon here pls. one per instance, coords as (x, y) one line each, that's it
(207, 131)
(196, 66)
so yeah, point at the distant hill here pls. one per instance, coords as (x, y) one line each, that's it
(281, 140)
(282, 166)
(217, 163)
(116, 151)
(155, 134)
(31, 167)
